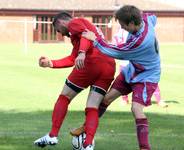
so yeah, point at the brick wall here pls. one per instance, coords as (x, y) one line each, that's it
(167, 29)
(170, 29)
(14, 31)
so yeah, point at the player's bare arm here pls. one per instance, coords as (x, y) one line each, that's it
(45, 62)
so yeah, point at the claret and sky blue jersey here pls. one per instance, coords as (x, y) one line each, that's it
(141, 49)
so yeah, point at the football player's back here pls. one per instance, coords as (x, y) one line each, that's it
(76, 27)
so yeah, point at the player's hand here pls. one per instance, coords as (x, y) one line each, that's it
(79, 61)
(89, 35)
(45, 62)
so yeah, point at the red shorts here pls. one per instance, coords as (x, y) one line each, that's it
(98, 74)
(142, 91)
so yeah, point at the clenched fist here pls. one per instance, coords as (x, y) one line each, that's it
(45, 62)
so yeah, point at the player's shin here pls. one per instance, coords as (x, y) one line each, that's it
(142, 133)
(58, 115)
(102, 109)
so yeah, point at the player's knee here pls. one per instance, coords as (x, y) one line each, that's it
(135, 110)
(69, 93)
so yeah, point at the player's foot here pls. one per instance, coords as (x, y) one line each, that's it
(46, 140)
(162, 104)
(77, 131)
(89, 147)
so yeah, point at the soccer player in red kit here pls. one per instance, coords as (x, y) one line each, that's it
(92, 68)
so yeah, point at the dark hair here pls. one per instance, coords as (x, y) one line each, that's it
(62, 15)
(129, 13)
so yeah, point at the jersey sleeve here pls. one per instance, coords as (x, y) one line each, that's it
(68, 61)
(126, 50)
(152, 18)
(64, 62)
(121, 51)
(76, 27)
(85, 44)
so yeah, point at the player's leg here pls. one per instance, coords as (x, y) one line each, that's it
(91, 112)
(142, 126)
(141, 97)
(112, 95)
(158, 99)
(69, 91)
(101, 83)
(119, 87)
(76, 81)
(109, 98)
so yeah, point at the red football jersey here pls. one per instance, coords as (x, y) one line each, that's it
(76, 27)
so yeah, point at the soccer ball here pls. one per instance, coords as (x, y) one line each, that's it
(77, 141)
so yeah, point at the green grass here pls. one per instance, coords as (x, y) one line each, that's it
(28, 94)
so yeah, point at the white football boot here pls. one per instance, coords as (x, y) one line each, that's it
(46, 140)
(89, 147)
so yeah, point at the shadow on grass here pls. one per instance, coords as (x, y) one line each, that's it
(116, 130)
(172, 101)
(167, 101)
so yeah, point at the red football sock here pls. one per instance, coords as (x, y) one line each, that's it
(91, 125)
(142, 133)
(59, 113)
(101, 110)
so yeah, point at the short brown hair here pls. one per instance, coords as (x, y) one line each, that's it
(62, 15)
(129, 13)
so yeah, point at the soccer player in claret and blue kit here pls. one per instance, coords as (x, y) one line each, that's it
(91, 68)
(141, 75)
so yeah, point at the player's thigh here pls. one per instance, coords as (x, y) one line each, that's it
(81, 77)
(76, 82)
(94, 99)
(121, 85)
(105, 78)
(111, 95)
(69, 92)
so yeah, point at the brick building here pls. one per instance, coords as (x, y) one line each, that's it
(170, 27)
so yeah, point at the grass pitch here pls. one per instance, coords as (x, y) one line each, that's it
(28, 94)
